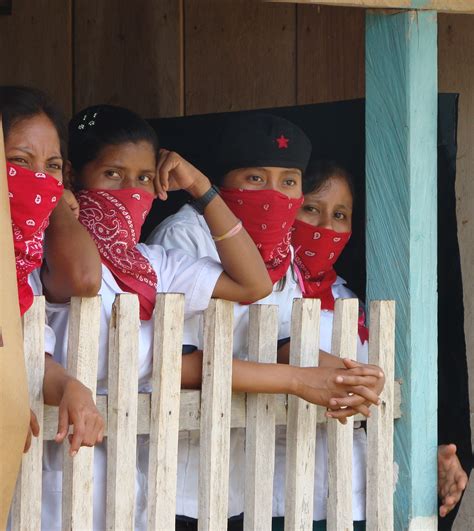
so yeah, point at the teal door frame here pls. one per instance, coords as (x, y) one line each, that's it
(401, 169)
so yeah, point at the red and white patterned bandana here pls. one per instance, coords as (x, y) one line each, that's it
(267, 216)
(114, 219)
(33, 196)
(317, 249)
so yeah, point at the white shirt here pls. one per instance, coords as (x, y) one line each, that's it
(34, 281)
(176, 272)
(188, 230)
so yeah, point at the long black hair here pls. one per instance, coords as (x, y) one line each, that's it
(18, 103)
(99, 126)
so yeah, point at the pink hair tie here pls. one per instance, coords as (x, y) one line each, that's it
(232, 232)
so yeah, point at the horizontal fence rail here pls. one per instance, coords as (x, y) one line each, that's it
(214, 411)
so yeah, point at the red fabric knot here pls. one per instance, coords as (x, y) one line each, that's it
(31, 204)
(268, 228)
(114, 219)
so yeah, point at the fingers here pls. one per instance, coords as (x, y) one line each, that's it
(161, 180)
(63, 425)
(358, 406)
(34, 425)
(340, 414)
(371, 370)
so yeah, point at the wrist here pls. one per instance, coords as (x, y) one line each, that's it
(199, 187)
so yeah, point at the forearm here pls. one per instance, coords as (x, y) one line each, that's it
(239, 256)
(325, 359)
(55, 380)
(72, 264)
(247, 376)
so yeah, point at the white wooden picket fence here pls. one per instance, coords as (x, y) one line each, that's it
(213, 411)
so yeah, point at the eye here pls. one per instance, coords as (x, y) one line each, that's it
(290, 182)
(339, 216)
(145, 178)
(18, 160)
(54, 166)
(112, 174)
(311, 209)
(255, 178)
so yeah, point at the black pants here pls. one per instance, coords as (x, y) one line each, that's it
(183, 523)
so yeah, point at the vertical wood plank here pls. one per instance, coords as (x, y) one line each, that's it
(129, 54)
(165, 404)
(380, 424)
(401, 82)
(44, 29)
(301, 425)
(250, 55)
(26, 508)
(14, 411)
(260, 429)
(82, 358)
(331, 52)
(340, 437)
(215, 416)
(124, 331)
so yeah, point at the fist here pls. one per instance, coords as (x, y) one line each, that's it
(71, 201)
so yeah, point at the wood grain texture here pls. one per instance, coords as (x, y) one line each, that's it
(301, 424)
(82, 357)
(444, 6)
(330, 59)
(380, 424)
(129, 53)
(36, 48)
(26, 507)
(14, 411)
(165, 404)
(215, 416)
(239, 55)
(122, 386)
(260, 433)
(401, 139)
(340, 437)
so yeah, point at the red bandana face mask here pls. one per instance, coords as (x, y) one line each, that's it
(114, 219)
(317, 250)
(267, 216)
(33, 197)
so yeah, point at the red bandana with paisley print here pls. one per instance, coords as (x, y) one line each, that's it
(114, 219)
(267, 216)
(33, 196)
(317, 249)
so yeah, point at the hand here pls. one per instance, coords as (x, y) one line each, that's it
(78, 408)
(452, 479)
(175, 173)
(355, 402)
(321, 385)
(71, 201)
(33, 429)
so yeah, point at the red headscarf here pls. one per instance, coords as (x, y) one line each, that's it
(114, 219)
(317, 249)
(267, 216)
(33, 196)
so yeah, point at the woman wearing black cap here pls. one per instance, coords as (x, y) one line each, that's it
(260, 163)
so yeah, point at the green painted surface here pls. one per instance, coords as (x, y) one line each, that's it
(401, 122)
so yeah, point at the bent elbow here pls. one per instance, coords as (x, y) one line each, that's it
(260, 291)
(86, 284)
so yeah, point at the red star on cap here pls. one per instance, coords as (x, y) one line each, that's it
(282, 142)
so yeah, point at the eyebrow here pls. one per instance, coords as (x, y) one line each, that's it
(29, 152)
(120, 167)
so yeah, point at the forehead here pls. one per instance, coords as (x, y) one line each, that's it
(141, 152)
(269, 170)
(37, 130)
(334, 189)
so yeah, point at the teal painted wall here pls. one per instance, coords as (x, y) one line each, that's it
(401, 123)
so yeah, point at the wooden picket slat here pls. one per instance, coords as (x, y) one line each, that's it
(260, 434)
(380, 483)
(165, 404)
(82, 354)
(26, 507)
(124, 329)
(215, 416)
(340, 437)
(301, 423)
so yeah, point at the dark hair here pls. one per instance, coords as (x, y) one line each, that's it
(99, 126)
(18, 103)
(319, 172)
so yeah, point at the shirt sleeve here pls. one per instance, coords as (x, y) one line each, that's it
(180, 273)
(49, 340)
(49, 335)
